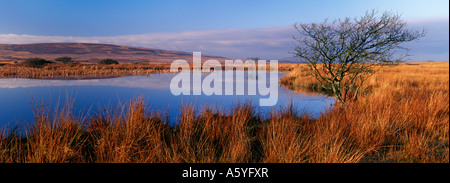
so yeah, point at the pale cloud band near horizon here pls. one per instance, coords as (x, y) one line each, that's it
(266, 43)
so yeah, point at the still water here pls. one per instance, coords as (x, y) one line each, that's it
(90, 96)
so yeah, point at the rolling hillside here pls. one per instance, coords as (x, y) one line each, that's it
(87, 52)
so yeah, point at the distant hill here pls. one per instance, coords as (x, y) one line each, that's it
(87, 52)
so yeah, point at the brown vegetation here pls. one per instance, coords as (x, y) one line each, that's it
(79, 71)
(403, 116)
(83, 71)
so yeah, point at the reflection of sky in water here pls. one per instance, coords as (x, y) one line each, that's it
(16, 96)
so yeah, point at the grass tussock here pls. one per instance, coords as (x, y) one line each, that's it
(403, 116)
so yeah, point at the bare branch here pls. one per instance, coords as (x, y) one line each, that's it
(344, 53)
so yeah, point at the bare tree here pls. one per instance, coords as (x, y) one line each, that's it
(343, 54)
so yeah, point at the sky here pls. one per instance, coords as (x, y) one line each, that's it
(230, 28)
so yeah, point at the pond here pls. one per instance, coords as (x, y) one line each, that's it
(19, 96)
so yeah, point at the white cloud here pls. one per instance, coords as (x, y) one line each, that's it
(267, 43)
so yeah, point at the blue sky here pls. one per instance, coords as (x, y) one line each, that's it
(147, 22)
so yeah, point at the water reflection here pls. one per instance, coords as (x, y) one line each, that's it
(16, 96)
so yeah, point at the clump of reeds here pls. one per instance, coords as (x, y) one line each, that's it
(132, 133)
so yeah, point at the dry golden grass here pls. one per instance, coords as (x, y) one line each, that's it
(79, 71)
(402, 117)
(86, 70)
(134, 135)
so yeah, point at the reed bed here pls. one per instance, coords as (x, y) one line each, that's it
(88, 71)
(79, 71)
(403, 117)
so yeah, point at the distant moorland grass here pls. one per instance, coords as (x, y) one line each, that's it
(41, 70)
(79, 71)
(403, 116)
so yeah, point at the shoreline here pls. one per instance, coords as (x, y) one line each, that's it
(402, 118)
(80, 71)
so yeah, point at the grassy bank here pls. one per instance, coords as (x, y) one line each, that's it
(135, 134)
(79, 71)
(403, 116)
(87, 71)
